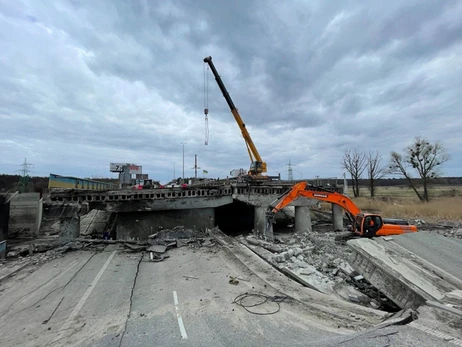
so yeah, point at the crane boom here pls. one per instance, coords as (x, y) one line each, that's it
(257, 165)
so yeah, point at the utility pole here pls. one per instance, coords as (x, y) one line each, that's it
(183, 161)
(174, 171)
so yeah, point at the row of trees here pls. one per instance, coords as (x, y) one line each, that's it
(421, 159)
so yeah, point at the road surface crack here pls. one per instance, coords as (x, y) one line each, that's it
(59, 288)
(131, 298)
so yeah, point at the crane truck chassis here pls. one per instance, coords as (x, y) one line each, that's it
(363, 224)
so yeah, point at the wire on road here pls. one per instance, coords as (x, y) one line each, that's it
(240, 300)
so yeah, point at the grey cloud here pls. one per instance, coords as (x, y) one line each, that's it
(104, 75)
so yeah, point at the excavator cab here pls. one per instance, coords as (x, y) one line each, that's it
(367, 225)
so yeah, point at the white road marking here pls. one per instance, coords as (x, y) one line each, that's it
(85, 296)
(178, 316)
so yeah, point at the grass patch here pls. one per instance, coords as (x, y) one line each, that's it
(401, 202)
(437, 209)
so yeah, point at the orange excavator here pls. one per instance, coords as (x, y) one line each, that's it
(363, 224)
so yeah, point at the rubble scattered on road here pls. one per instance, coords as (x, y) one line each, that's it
(318, 260)
(192, 277)
(134, 247)
(446, 228)
(233, 280)
(157, 249)
(157, 257)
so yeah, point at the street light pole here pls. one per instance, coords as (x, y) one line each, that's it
(183, 159)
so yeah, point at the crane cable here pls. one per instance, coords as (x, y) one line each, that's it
(206, 104)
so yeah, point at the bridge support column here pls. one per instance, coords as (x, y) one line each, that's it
(302, 220)
(260, 224)
(69, 228)
(337, 217)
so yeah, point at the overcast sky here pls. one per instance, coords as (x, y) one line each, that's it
(86, 83)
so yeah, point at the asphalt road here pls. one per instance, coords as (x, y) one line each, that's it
(444, 252)
(112, 298)
(117, 299)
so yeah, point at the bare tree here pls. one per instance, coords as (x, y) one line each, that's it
(422, 157)
(374, 170)
(355, 163)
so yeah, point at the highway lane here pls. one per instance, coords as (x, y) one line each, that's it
(113, 298)
(444, 252)
(205, 305)
(62, 304)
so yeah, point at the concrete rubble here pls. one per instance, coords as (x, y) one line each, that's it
(407, 279)
(319, 262)
(163, 240)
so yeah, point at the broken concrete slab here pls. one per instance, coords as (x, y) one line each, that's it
(157, 249)
(454, 298)
(397, 274)
(344, 266)
(445, 307)
(310, 278)
(179, 232)
(330, 309)
(265, 244)
(347, 292)
(302, 272)
(135, 248)
(399, 318)
(208, 243)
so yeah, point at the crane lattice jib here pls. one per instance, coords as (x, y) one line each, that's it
(253, 152)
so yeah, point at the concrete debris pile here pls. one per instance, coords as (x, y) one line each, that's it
(318, 262)
(163, 240)
(42, 251)
(180, 237)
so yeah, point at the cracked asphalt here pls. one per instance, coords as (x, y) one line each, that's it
(113, 298)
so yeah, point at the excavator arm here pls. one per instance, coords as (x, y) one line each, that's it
(381, 227)
(302, 190)
(257, 164)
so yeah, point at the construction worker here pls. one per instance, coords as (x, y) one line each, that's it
(370, 225)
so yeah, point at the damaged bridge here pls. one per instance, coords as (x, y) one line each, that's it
(140, 213)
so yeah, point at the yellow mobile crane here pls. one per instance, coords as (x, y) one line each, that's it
(257, 166)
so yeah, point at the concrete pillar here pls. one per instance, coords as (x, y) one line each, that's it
(260, 224)
(337, 217)
(302, 220)
(69, 228)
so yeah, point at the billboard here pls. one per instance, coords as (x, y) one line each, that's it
(121, 167)
(135, 169)
(141, 176)
(117, 167)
